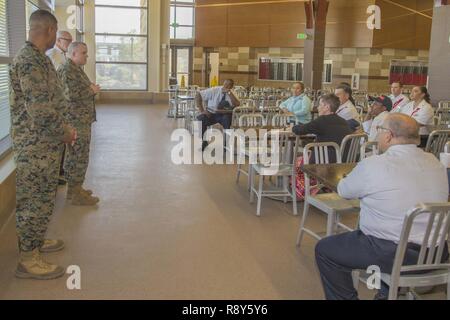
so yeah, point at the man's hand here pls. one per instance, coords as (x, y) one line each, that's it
(95, 88)
(70, 135)
(207, 113)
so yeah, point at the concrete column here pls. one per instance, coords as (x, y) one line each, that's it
(439, 61)
(89, 38)
(316, 14)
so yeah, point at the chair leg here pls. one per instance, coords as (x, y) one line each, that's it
(331, 218)
(249, 177)
(285, 188)
(301, 231)
(238, 173)
(294, 197)
(252, 196)
(260, 188)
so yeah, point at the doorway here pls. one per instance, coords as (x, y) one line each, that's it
(181, 64)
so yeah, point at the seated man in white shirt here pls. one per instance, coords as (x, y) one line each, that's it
(58, 53)
(376, 115)
(220, 102)
(388, 185)
(347, 109)
(399, 100)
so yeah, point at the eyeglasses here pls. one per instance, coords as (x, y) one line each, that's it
(379, 128)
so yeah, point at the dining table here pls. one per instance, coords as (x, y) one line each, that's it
(329, 174)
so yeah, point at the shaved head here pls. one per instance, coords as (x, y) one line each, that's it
(43, 27)
(42, 20)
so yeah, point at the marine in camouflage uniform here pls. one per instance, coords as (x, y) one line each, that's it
(38, 127)
(81, 114)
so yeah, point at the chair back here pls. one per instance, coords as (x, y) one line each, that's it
(369, 148)
(351, 146)
(288, 147)
(443, 114)
(280, 120)
(435, 217)
(237, 112)
(436, 142)
(269, 112)
(447, 147)
(318, 153)
(251, 120)
(360, 110)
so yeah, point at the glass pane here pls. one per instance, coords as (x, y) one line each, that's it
(128, 3)
(122, 76)
(172, 14)
(119, 20)
(123, 49)
(170, 62)
(3, 28)
(185, 15)
(172, 33)
(182, 60)
(184, 33)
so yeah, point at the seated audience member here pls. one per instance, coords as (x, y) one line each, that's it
(399, 100)
(381, 183)
(420, 107)
(299, 104)
(376, 115)
(220, 101)
(328, 127)
(346, 109)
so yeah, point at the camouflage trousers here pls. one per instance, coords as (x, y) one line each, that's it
(77, 157)
(37, 171)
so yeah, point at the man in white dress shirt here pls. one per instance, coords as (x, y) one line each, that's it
(388, 186)
(376, 115)
(398, 98)
(58, 53)
(347, 109)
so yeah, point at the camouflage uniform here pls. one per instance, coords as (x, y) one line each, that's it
(81, 114)
(37, 129)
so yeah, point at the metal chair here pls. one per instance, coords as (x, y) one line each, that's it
(360, 110)
(351, 146)
(269, 112)
(443, 114)
(251, 120)
(286, 154)
(447, 147)
(281, 120)
(436, 142)
(429, 269)
(237, 112)
(330, 203)
(368, 149)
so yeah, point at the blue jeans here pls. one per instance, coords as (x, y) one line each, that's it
(338, 255)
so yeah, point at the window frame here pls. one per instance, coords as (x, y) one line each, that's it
(175, 4)
(146, 36)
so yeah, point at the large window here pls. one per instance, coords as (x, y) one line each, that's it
(121, 40)
(5, 122)
(182, 19)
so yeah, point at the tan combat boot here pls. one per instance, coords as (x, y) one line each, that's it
(70, 192)
(52, 246)
(80, 198)
(32, 266)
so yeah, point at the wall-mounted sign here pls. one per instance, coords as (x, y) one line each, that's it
(302, 36)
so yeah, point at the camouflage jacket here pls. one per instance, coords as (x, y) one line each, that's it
(36, 99)
(78, 94)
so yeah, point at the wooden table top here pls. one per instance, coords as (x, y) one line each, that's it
(329, 174)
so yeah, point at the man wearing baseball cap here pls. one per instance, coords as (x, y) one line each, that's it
(380, 108)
